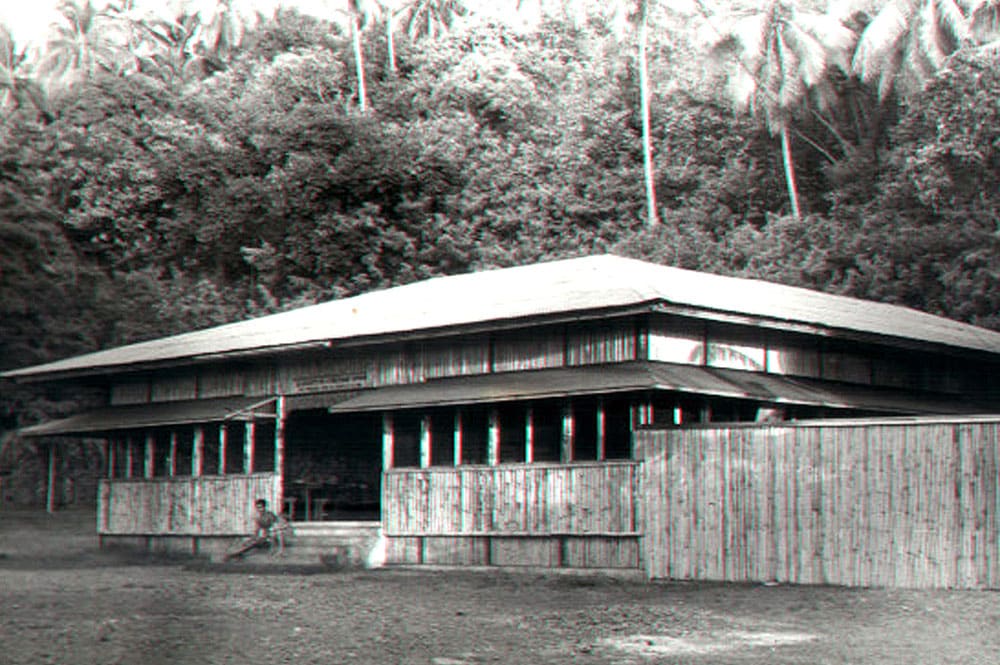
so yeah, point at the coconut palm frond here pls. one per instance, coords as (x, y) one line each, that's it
(810, 54)
(984, 25)
(882, 37)
(908, 41)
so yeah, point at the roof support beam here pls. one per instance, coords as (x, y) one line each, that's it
(425, 441)
(149, 456)
(249, 432)
(388, 441)
(457, 453)
(50, 486)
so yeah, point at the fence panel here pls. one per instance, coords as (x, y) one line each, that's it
(911, 503)
(581, 515)
(188, 506)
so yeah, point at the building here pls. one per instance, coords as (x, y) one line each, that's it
(489, 417)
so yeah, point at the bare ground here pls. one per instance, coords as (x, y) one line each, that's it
(63, 601)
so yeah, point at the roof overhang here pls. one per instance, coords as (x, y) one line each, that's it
(635, 377)
(161, 414)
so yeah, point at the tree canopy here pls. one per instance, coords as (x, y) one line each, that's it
(162, 175)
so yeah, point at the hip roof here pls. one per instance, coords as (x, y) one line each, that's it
(521, 293)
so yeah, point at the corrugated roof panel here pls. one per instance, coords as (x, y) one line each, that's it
(631, 377)
(556, 287)
(160, 414)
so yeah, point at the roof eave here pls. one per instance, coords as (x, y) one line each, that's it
(25, 375)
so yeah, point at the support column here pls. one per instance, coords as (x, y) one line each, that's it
(172, 455)
(198, 451)
(249, 431)
(112, 447)
(493, 438)
(223, 443)
(388, 441)
(50, 486)
(529, 435)
(568, 432)
(602, 431)
(457, 456)
(149, 457)
(279, 446)
(128, 457)
(425, 442)
(640, 414)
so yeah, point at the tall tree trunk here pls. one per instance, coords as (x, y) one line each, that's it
(390, 42)
(359, 64)
(652, 218)
(786, 157)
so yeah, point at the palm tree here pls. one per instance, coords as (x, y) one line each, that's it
(361, 12)
(174, 54)
(652, 218)
(778, 61)
(908, 41)
(18, 88)
(984, 25)
(429, 18)
(222, 30)
(84, 42)
(389, 8)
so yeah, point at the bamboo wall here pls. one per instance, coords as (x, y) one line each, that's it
(187, 506)
(551, 346)
(575, 515)
(861, 504)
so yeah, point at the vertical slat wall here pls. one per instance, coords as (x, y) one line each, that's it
(574, 515)
(866, 504)
(205, 506)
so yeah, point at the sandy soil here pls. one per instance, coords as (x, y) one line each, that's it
(62, 601)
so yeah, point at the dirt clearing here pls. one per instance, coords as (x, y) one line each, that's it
(62, 601)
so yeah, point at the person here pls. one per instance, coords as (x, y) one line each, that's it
(268, 532)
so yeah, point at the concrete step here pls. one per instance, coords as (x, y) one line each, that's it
(333, 544)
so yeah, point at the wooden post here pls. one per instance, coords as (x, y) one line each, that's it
(249, 430)
(50, 487)
(198, 451)
(457, 457)
(493, 438)
(112, 446)
(172, 456)
(279, 446)
(128, 457)
(149, 456)
(425, 442)
(529, 435)
(388, 441)
(602, 431)
(223, 442)
(568, 434)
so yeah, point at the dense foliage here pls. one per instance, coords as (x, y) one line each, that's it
(179, 174)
